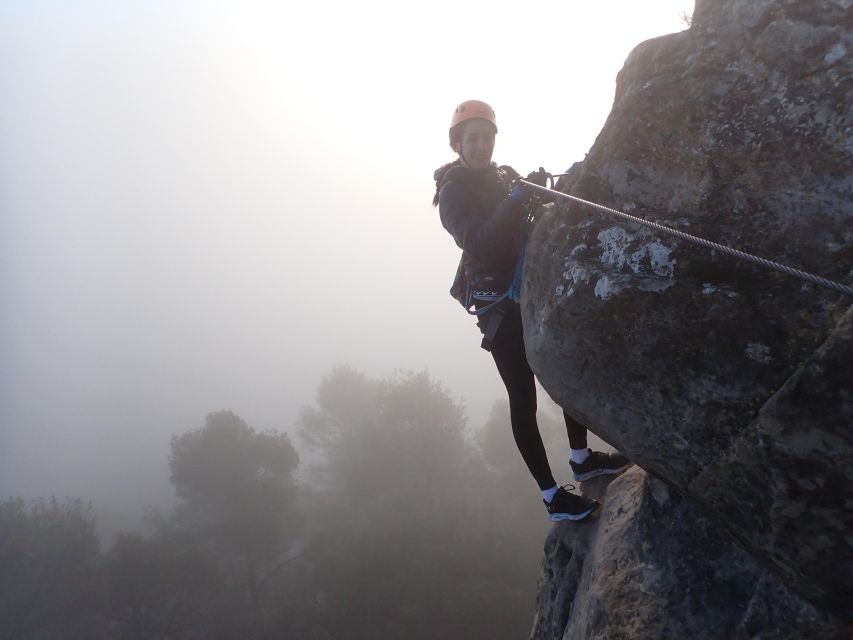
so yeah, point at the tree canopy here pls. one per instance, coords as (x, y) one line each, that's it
(50, 569)
(409, 525)
(409, 541)
(238, 491)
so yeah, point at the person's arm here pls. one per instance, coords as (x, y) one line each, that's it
(490, 241)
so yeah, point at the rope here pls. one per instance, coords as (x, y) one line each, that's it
(768, 264)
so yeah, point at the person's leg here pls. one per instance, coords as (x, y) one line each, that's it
(585, 463)
(511, 360)
(576, 431)
(508, 352)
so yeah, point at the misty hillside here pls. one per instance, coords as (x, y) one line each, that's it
(406, 524)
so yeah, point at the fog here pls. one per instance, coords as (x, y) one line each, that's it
(209, 205)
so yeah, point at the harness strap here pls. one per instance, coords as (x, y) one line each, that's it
(493, 325)
(493, 302)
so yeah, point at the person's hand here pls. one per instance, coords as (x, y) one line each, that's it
(519, 193)
(539, 177)
(522, 194)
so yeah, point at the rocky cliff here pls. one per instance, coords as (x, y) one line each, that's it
(730, 384)
(652, 567)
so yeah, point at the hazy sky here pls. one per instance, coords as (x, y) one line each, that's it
(208, 205)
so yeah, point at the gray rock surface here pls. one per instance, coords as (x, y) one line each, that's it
(653, 567)
(730, 382)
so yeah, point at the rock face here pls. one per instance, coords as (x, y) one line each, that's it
(731, 383)
(652, 567)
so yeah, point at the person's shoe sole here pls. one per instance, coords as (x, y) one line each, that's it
(589, 475)
(592, 514)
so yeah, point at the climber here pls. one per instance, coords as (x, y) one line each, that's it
(484, 213)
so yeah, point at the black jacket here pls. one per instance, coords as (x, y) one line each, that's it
(485, 223)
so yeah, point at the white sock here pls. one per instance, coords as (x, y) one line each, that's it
(579, 456)
(549, 494)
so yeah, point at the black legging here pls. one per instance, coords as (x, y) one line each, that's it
(511, 360)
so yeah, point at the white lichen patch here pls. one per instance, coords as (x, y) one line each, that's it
(605, 288)
(710, 289)
(659, 255)
(656, 285)
(616, 244)
(627, 260)
(836, 53)
(608, 285)
(758, 352)
(575, 273)
(573, 276)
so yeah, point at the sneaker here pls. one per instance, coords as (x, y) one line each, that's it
(598, 464)
(570, 506)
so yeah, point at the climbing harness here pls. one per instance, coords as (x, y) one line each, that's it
(768, 264)
(493, 299)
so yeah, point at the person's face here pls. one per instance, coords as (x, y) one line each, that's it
(477, 144)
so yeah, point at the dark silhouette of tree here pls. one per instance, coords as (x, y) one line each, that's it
(412, 526)
(237, 492)
(406, 540)
(50, 571)
(160, 587)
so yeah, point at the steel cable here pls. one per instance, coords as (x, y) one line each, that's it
(768, 264)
